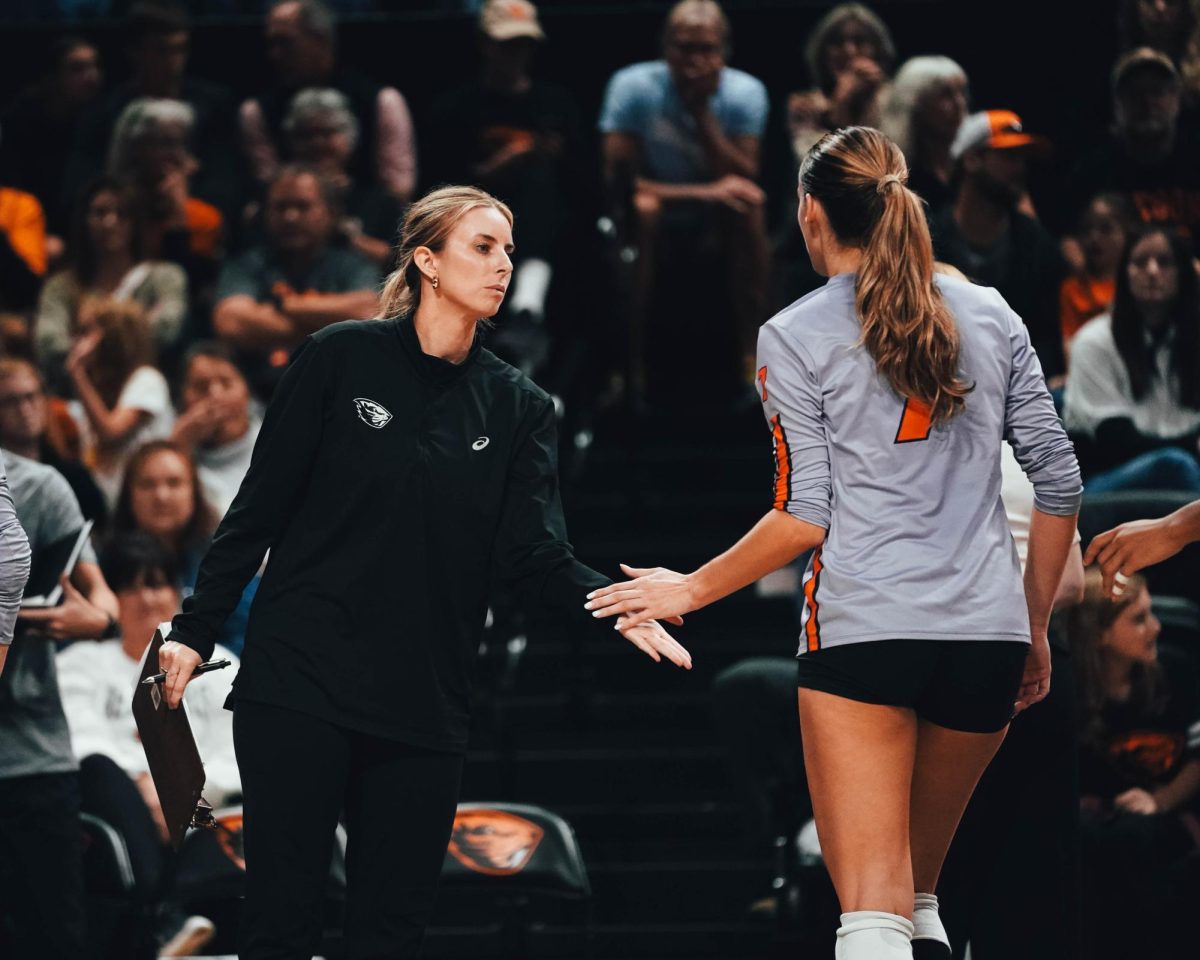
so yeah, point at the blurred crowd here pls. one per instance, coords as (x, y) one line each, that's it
(164, 247)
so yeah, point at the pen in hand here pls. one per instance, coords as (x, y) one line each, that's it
(204, 667)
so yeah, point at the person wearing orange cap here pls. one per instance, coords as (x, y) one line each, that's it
(518, 137)
(985, 234)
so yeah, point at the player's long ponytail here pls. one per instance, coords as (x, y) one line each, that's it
(427, 223)
(859, 176)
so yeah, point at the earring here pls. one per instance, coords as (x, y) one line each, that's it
(434, 281)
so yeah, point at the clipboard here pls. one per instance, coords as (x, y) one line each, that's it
(44, 588)
(171, 751)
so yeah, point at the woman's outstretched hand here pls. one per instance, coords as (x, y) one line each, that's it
(655, 593)
(655, 642)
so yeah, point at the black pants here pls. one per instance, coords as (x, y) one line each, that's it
(41, 868)
(1011, 884)
(298, 774)
(108, 792)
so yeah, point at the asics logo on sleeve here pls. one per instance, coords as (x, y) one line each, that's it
(480, 443)
(371, 413)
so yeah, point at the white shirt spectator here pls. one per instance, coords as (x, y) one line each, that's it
(96, 681)
(222, 468)
(1098, 387)
(147, 390)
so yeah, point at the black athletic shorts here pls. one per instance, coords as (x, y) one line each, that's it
(967, 685)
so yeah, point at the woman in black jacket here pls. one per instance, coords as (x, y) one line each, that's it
(399, 467)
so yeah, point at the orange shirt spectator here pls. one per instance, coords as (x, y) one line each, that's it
(22, 221)
(1103, 230)
(204, 227)
(1081, 298)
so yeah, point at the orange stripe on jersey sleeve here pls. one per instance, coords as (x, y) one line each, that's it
(783, 465)
(762, 381)
(915, 422)
(812, 628)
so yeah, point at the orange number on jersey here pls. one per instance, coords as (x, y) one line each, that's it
(762, 379)
(914, 422)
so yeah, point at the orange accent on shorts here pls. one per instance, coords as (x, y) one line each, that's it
(915, 421)
(812, 629)
(783, 465)
(762, 380)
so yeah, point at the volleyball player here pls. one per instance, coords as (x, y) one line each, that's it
(887, 392)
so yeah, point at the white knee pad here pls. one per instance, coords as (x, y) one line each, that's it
(873, 935)
(929, 936)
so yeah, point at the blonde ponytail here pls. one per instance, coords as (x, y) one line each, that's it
(859, 176)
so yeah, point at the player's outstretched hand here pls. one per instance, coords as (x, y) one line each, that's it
(1035, 684)
(655, 642)
(655, 593)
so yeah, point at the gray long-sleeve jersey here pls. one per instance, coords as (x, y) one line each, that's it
(917, 545)
(14, 561)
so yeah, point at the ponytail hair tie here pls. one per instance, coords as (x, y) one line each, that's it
(885, 182)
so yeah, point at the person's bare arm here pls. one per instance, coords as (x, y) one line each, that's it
(1142, 543)
(737, 155)
(1050, 540)
(111, 426)
(244, 322)
(312, 311)
(1070, 588)
(377, 251)
(1185, 785)
(95, 588)
(658, 594)
(84, 613)
(396, 149)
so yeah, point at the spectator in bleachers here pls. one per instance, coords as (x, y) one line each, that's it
(682, 143)
(95, 680)
(275, 294)
(30, 428)
(985, 235)
(518, 137)
(302, 49)
(40, 127)
(1139, 776)
(1171, 27)
(1088, 292)
(158, 37)
(922, 113)
(41, 868)
(106, 261)
(123, 400)
(162, 495)
(849, 55)
(1145, 156)
(151, 151)
(1133, 391)
(322, 133)
(216, 424)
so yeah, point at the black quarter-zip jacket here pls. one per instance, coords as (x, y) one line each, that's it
(391, 488)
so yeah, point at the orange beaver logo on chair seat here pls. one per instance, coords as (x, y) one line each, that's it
(494, 842)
